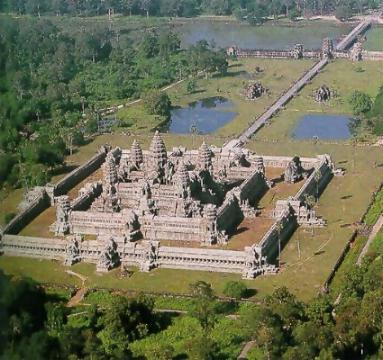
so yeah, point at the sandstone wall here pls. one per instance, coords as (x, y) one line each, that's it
(83, 202)
(282, 228)
(229, 216)
(16, 245)
(174, 228)
(321, 175)
(79, 174)
(283, 161)
(201, 259)
(252, 188)
(27, 215)
(372, 55)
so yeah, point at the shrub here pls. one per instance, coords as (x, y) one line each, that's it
(235, 289)
(157, 103)
(360, 102)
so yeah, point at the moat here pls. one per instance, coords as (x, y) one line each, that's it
(224, 34)
(203, 117)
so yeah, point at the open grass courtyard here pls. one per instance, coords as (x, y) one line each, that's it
(341, 76)
(275, 75)
(374, 39)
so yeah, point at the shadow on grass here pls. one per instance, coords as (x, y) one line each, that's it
(250, 293)
(62, 170)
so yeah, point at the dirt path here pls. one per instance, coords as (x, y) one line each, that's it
(79, 296)
(248, 346)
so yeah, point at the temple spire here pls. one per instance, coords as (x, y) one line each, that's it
(158, 150)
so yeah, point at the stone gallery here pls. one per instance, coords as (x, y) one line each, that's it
(192, 200)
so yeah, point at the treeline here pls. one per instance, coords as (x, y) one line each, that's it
(36, 326)
(368, 111)
(253, 10)
(52, 85)
(348, 326)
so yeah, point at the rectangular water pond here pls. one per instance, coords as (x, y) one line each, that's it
(203, 117)
(323, 126)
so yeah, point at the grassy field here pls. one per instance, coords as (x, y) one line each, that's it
(342, 204)
(341, 76)
(374, 39)
(277, 76)
(9, 202)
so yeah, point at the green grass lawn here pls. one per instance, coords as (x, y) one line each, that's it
(341, 76)
(342, 204)
(374, 39)
(9, 203)
(43, 271)
(277, 76)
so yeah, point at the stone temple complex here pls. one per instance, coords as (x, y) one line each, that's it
(172, 209)
(254, 91)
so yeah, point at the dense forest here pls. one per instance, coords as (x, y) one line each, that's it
(347, 325)
(52, 85)
(245, 9)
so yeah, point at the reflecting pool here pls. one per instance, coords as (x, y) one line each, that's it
(203, 117)
(323, 126)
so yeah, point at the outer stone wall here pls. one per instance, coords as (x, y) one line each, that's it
(33, 247)
(27, 215)
(281, 229)
(320, 176)
(79, 174)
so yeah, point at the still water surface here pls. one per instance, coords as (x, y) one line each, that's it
(324, 126)
(204, 116)
(224, 34)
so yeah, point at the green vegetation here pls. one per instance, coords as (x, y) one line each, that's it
(277, 74)
(360, 102)
(374, 39)
(157, 103)
(341, 76)
(375, 210)
(255, 11)
(53, 85)
(235, 289)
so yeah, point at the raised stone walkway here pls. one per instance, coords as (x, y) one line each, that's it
(295, 88)
(283, 100)
(350, 38)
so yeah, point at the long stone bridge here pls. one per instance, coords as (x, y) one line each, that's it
(352, 36)
(297, 86)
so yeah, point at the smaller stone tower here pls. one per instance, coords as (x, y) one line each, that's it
(158, 151)
(204, 157)
(136, 156)
(62, 215)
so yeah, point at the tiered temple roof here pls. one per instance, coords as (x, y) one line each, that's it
(136, 156)
(204, 156)
(158, 149)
